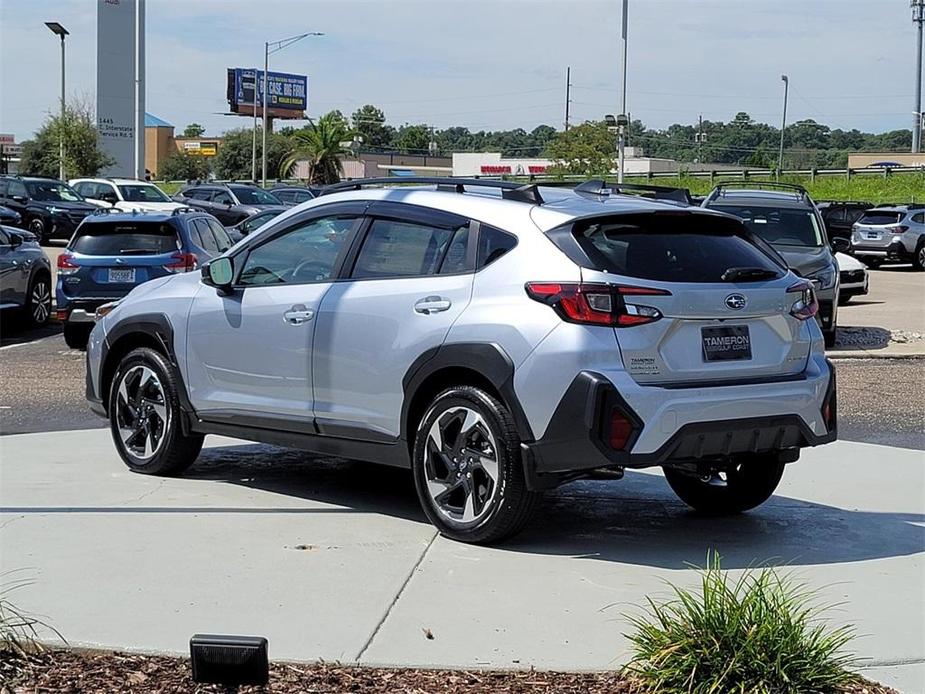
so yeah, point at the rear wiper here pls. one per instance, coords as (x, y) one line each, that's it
(747, 274)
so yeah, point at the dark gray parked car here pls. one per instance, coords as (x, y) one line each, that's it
(229, 203)
(25, 276)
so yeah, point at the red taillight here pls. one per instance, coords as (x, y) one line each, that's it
(621, 429)
(596, 304)
(61, 315)
(66, 264)
(901, 229)
(807, 306)
(182, 262)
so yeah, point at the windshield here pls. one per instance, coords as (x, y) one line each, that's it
(52, 191)
(779, 226)
(142, 193)
(125, 238)
(255, 196)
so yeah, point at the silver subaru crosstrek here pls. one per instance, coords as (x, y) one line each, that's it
(890, 234)
(497, 339)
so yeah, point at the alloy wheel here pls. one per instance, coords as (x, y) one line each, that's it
(461, 466)
(922, 256)
(41, 302)
(142, 412)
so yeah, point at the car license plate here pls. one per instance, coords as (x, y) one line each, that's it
(873, 235)
(726, 343)
(121, 275)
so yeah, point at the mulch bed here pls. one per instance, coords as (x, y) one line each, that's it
(116, 673)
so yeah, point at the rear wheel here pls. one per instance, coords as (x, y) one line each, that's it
(467, 468)
(37, 309)
(918, 258)
(76, 335)
(829, 336)
(144, 416)
(745, 483)
(872, 263)
(37, 227)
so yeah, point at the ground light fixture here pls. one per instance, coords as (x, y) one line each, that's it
(229, 660)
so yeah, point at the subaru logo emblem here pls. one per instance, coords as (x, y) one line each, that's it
(736, 302)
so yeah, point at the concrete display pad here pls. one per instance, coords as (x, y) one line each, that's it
(333, 559)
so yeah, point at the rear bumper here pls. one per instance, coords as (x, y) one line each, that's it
(892, 248)
(673, 426)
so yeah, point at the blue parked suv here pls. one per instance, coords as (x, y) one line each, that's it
(112, 253)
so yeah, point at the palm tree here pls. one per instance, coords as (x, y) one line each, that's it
(322, 143)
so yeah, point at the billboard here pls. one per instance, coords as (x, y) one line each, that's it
(287, 95)
(120, 94)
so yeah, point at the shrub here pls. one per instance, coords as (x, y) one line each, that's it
(19, 631)
(757, 633)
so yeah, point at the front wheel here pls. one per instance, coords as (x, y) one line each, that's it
(38, 301)
(918, 258)
(739, 486)
(467, 468)
(37, 227)
(144, 416)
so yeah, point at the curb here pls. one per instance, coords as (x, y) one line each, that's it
(863, 354)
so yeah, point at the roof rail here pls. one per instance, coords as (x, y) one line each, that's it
(520, 192)
(183, 210)
(598, 187)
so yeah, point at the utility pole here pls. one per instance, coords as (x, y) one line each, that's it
(62, 32)
(568, 88)
(783, 127)
(698, 138)
(254, 134)
(918, 16)
(622, 120)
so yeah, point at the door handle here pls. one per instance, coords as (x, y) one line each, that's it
(432, 304)
(297, 315)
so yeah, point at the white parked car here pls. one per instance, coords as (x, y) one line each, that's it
(125, 193)
(853, 277)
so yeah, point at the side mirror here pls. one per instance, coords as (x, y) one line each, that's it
(840, 244)
(218, 273)
(15, 240)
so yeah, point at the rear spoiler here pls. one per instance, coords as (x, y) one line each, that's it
(599, 188)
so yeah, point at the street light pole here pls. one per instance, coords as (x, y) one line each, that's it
(783, 126)
(277, 46)
(621, 141)
(62, 32)
(918, 16)
(254, 134)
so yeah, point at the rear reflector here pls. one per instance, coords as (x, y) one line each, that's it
(621, 429)
(596, 304)
(61, 314)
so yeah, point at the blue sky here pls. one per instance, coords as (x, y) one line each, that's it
(491, 64)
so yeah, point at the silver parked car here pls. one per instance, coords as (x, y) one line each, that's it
(496, 339)
(890, 234)
(25, 276)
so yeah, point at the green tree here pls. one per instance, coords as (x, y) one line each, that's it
(369, 123)
(183, 166)
(587, 149)
(233, 161)
(82, 154)
(412, 139)
(322, 144)
(193, 130)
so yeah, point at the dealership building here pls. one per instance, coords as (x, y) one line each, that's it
(494, 164)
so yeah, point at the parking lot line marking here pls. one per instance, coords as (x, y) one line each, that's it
(30, 342)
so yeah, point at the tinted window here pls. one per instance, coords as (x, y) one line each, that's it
(919, 218)
(457, 254)
(307, 253)
(4, 239)
(779, 226)
(17, 188)
(657, 252)
(493, 243)
(301, 196)
(4, 185)
(52, 191)
(142, 193)
(85, 189)
(254, 196)
(258, 220)
(204, 235)
(401, 249)
(880, 218)
(284, 195)
(198, 193)
(836, 215)
(222, 240)
(125, 238)
(222, 197)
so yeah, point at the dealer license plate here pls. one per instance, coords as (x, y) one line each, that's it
(726, 343)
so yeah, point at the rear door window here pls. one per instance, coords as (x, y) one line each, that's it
(222, 240)
(395, 248)
(204, 234)
(125, 238)
(672, 250)
(880, 218)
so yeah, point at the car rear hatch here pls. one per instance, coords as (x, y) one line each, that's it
(107, 259)
(875, 228)
(712, 303)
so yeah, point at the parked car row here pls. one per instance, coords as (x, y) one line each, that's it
(879, 233)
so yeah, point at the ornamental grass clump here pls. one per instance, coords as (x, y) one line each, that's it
(757, 633)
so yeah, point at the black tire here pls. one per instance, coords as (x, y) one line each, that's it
(37, 309)
(843, 299)
(872, 263)
(38, 227)
(76, 335)
(830, 336)
(746, 485)
(918, 258)
(503, 505)
(138, 407)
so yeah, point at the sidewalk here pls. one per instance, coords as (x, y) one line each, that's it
(333, 560)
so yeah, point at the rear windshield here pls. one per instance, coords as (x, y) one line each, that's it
(880, 218)
(779, 226)
(671, 251)
(255, 196)
(142, 193)
(125, 238)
